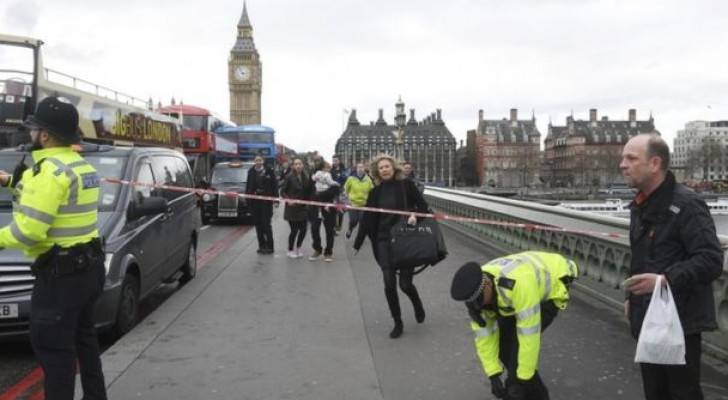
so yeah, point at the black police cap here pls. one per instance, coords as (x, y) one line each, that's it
(466, 282)
(58, 116)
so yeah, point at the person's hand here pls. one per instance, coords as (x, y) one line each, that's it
(4, 177)
(643, 283)
(626, 308)
(496, 387)
(412, 220)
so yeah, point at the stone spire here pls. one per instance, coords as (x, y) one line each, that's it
(244, 42)
(244, 20)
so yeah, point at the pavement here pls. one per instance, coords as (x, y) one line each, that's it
(268, 327)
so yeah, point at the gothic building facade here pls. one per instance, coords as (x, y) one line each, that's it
(245, 75)
(427, 144)
(587, 153)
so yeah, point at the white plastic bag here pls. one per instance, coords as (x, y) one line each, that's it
(661, 339)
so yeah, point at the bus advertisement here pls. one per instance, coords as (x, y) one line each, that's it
(105, 115)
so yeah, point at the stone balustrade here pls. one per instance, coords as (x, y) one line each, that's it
(603, 260)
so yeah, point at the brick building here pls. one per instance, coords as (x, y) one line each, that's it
(587, 153)
(507, 151)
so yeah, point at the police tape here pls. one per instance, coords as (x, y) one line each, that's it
(347, 207)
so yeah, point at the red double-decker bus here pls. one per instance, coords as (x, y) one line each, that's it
(198, 139)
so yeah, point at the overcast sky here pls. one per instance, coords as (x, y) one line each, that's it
(321, 57)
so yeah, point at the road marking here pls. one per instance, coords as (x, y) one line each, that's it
(204, 227)
(29, 382)
(30, 387)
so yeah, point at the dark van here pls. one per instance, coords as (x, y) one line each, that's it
(149, 235)
(227, 177)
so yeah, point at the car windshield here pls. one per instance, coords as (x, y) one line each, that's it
(8, 163)
(227, 174)
(107, 167)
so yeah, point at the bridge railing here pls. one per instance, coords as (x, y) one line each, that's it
(603, 260)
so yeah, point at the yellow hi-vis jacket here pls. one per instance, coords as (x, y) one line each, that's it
(532, 278)
(56, 202)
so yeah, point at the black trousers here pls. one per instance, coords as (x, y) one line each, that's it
(389, 273)
(262, 215)
(339, 220)
(329, 220)
(62, 330)
(675, 382)
(354, 218)
(298, 233)
(509, 349)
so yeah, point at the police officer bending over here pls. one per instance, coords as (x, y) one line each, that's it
(54, 222)
(511, 300)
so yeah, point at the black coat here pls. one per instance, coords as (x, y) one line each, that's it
(369, 223)
(264, 184)
(672, 233)
(295, 187)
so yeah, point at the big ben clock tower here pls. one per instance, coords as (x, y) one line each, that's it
(245, 75)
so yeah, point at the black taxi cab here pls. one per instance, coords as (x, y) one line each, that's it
(228, 177)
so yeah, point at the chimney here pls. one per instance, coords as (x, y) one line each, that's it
(632, 117)
(514, 114)
(439, 115)
(593, 115)
(480, 116)
(461, 143)
(412, 113)
(605, 118)
(381, 114)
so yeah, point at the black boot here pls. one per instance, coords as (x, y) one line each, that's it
(397, 330)
(419, 311)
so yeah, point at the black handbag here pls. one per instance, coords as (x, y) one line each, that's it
(416, 245)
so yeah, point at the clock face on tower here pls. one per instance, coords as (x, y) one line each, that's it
(242, 73)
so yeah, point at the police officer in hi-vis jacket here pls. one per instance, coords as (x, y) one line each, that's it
(54, 222)
(511, 300)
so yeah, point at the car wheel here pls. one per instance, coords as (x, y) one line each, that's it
(128, 313)
(189, 269)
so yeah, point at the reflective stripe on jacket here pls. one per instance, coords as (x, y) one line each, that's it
(531, 278)
(56, 203)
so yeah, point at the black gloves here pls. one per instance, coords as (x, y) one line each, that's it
(518, 390)
(18, 172)
(496, 387)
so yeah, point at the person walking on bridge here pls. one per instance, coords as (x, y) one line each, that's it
(672, 234)
(357, 188)
(296, 185)
(262, 181)
(394, 192)
(511, 301)
(55, 223)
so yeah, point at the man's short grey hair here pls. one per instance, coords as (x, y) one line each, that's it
(657, 147)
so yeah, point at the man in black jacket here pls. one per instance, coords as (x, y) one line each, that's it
(671, 234)
(262, 181)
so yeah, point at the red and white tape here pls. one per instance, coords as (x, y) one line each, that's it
(345, 207)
